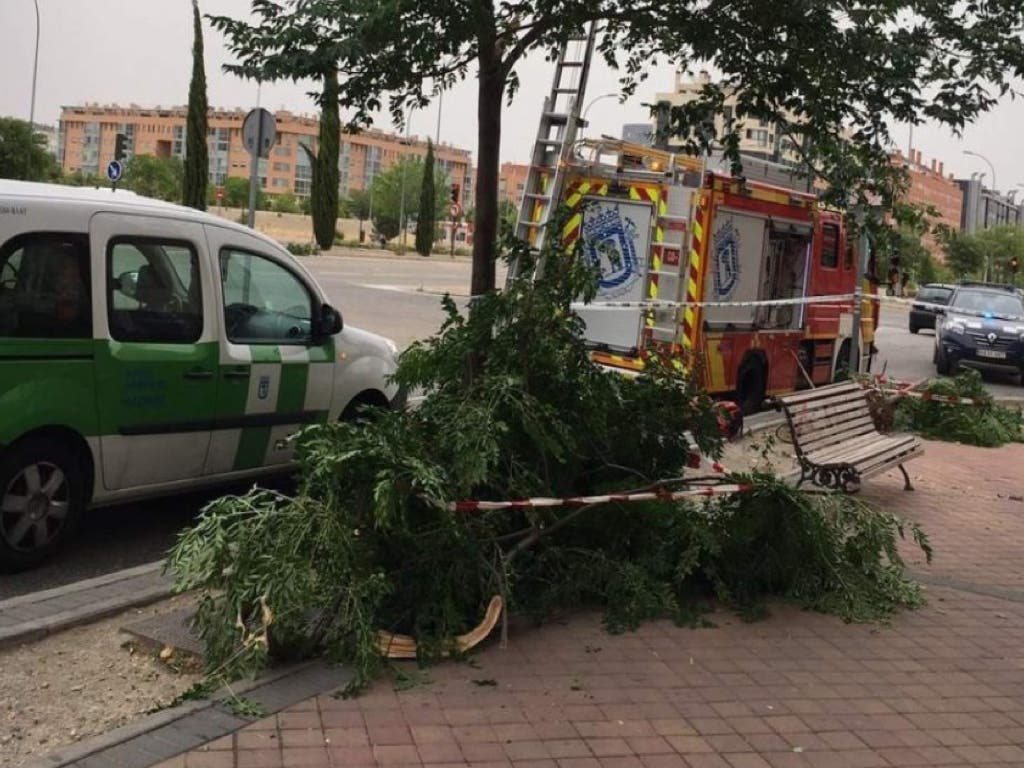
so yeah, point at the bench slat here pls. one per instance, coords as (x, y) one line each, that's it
(801, 420)
(842, 398)
(842, 451)
(861, 428)
(813, 394)
(826, 455)
(916, 451)
(870, 453)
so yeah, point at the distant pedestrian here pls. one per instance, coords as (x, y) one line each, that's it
(903, 283)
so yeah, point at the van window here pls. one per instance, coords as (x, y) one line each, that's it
(264, 302)
(44, 287)
(153, 291)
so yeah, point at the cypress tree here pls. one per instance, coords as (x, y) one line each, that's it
(197, 170)
(426, 223)
(324, 190)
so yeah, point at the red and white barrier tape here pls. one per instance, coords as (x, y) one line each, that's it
(837, 298)
(830, 299)
(579, 501)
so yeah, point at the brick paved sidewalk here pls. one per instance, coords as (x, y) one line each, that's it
(942, 686)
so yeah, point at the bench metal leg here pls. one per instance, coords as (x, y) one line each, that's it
(906, 486)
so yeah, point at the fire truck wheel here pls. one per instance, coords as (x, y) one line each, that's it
(751, 386)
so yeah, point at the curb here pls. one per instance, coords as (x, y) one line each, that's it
(37, 614)
(163, 735)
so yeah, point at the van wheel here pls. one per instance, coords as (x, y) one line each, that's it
(42, 494)
(750, 389)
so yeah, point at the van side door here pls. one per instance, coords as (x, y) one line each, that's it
(274, 375)
(156, 368)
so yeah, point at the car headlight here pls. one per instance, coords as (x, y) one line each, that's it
(954, 326)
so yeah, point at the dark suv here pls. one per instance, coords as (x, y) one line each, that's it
(982, 327)
(922, 315)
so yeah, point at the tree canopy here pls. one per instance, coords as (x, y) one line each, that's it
(387, 195)
(969, 254)
(197, 171)
(158, 177)
(835, 74)
(23, 153)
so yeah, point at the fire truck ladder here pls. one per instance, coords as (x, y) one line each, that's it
(559, 122)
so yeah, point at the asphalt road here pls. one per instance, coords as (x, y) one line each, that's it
(399, 298)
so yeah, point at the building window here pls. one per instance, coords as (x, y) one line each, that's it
(178, 145)
(279, 183)
(282, 167)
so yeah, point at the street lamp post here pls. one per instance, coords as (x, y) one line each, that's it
(593, 101)
(405, 168)
(35, 69)
(990, 166)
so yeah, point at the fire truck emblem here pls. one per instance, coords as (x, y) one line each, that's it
(726, 264)
(609, 243)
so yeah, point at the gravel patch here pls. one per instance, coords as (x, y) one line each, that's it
(80, 683)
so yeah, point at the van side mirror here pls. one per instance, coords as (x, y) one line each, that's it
(329, 321)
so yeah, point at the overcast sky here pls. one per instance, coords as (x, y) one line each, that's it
(139, 51)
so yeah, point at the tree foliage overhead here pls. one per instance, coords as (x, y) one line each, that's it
(843, 71)
(197, 165)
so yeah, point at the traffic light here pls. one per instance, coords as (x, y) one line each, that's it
(455, 193)
(1014, 264)
(120, 146)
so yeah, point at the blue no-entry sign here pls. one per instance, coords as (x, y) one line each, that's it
(114, 171)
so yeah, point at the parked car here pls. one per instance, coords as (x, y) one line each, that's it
(922, 315)
(147, 348)
(982, 327)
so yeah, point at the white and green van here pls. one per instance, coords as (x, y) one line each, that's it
(147, 348)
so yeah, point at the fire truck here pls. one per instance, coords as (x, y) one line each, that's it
(664, 227)
(668, 227)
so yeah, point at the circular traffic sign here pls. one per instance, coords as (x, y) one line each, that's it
(455, 210)
(115, 170)
(259, 132)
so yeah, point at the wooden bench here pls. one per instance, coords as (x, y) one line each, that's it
(835, 439)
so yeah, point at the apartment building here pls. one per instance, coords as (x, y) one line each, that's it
(512, 182)
(760, 139)
(984, 208)
(87, 134)
(930, 186)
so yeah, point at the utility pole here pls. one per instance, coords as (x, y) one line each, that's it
(405, 168)
(35, 69)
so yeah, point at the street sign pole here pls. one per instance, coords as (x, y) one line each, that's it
(259, 132)
(254, 175)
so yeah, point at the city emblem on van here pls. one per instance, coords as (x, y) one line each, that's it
(263, 390)
(726, 259)
(610, 243)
